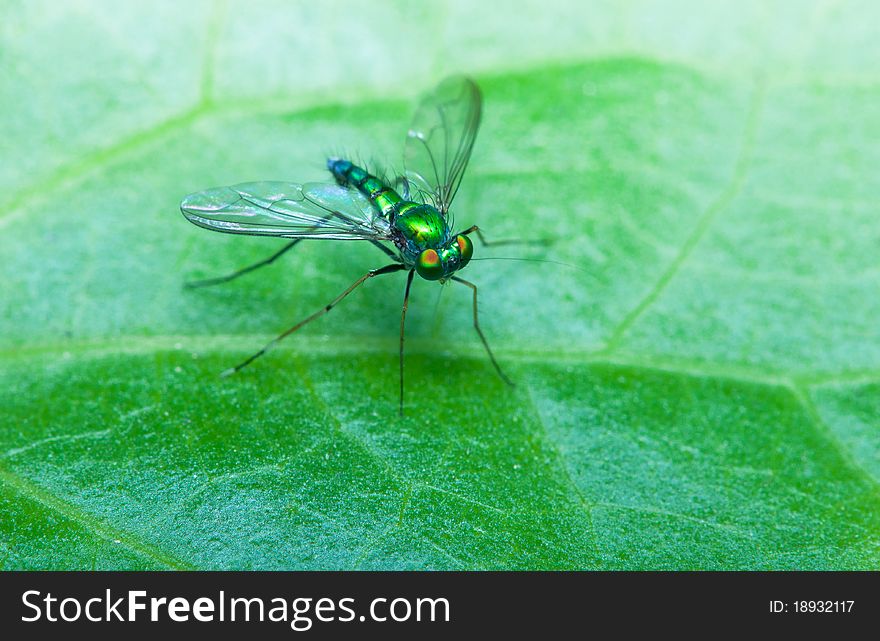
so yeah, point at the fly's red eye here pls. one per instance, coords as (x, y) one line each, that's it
(465, 250)
(429, 266)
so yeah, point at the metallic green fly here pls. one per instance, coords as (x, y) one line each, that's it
(412, 215)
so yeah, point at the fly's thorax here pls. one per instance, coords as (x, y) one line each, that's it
(420, 227)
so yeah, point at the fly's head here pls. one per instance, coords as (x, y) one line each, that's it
(441, 263)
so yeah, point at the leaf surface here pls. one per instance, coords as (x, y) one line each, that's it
(696, 390)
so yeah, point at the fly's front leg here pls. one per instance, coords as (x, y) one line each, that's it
(409, 280)
(480, 331)
(509, 241)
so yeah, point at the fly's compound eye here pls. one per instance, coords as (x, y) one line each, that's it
(465, 250)
(429, 265)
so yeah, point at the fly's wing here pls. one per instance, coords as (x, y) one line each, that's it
(441, 137)
(413, 187)
(286, 210)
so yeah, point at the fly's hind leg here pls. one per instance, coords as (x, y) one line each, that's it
(387, 251)
(271, 259)
(193, 284)
(266, 261)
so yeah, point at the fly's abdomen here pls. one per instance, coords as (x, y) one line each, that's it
(348, 174)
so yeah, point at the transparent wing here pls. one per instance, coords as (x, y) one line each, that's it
(441, 137)
(413, 187)
(286, 210)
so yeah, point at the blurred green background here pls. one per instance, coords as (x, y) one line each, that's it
(701, 393)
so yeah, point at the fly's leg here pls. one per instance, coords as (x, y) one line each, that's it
(193, 284)
(480, 331)
(510, 241)
(266, 261)
(241, 272)
(409, 280)
(387, 251)
(388, 269)
(379, 245)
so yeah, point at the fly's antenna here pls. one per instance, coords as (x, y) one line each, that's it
(533, 260)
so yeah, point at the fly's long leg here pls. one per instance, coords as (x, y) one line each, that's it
(266, 261)
(480, 331)
(388, 269)
(409, 280)
(241, 272)
(387, 251)
(509, 241)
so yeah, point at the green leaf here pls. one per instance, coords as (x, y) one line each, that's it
(698, 389)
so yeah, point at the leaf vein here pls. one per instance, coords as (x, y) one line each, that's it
(824, 431)
(704, 222)
(89, 521)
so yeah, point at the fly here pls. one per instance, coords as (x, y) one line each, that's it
(409, 220)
